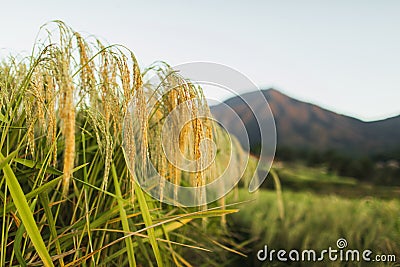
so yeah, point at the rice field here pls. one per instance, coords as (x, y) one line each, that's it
(312, 221)
(67, 195)
(81, 132)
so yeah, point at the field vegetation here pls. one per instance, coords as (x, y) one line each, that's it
(314, 210)
(80, 124)
(67, 197)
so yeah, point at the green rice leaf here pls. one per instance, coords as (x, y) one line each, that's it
(18, 239)
(25, 213)
(124, 219)
(148, 222)
(35, 192)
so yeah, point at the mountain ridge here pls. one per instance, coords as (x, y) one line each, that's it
(305, 125)
(325, 108)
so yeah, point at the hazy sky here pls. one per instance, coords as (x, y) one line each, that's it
(342, 55)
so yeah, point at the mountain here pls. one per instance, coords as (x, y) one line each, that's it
(301, 125)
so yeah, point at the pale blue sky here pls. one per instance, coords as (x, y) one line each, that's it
(341, 54)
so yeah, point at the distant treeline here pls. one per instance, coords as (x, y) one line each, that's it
(382, 169)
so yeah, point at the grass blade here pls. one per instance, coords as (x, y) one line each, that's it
(25, 213)
(18, 239)
(50, 218)
(124, 219)
(148, 222)
(278, 189)
(34, 193)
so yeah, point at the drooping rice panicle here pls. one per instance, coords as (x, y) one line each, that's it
(68, 129)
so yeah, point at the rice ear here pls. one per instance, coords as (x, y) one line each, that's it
(68, 119)
(51, 116)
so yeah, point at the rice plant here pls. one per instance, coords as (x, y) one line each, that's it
(68, 197)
